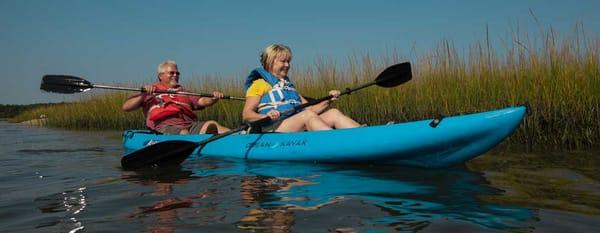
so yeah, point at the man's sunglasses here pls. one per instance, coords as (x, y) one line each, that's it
(172, 73)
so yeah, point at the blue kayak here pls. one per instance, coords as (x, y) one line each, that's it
(427, 143)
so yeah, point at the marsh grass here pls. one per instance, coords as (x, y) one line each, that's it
(558, 79)
(94, 112)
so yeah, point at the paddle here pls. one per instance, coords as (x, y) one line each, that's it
(68, 84)
(176, 151)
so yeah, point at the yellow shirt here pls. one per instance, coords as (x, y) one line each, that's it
(259, 87)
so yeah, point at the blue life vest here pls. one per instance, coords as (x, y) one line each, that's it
(282, 96)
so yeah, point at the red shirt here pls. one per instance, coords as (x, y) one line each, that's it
(157, 102)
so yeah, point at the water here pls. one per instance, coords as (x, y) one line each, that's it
(66, 181)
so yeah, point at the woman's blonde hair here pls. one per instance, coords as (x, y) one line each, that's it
(268, 55)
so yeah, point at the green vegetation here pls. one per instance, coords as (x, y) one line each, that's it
(12, 110)
(559, 79)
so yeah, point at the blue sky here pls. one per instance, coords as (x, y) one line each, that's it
(110, 41)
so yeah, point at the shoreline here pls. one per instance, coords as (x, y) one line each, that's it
(35, 122)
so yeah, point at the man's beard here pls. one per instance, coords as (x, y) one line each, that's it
(173, 84)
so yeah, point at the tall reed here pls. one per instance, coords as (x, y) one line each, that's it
(558, 79)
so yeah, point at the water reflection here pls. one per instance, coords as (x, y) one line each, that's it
(407, 198)
(282, 196)
(162, 183)
(258, 190)
(68, 205)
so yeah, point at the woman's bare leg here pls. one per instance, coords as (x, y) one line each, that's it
(336, 119)
(305, 120)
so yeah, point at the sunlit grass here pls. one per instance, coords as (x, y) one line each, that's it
(559, 80)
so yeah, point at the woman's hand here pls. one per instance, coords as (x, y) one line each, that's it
(274, 114)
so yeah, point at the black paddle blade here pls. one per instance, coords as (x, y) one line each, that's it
(394, 75)
(162, 154)
(65, 84)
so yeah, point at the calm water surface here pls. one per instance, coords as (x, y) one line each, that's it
(66, 181)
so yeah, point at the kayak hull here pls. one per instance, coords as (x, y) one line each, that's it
(453, 141)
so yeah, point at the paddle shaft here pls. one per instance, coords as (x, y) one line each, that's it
(347, 91)
(68, 84)
(219, 136)
(163, 92)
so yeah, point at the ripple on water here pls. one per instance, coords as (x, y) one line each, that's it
(49, 151)
(62, 209)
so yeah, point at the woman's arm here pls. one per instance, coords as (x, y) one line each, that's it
(249, 113)
(317, 108)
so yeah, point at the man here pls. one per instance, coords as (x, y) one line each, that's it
(171, 113)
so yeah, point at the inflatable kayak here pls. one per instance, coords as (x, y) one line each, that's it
(438, 142)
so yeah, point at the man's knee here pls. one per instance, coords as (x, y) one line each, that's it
(211, 127)
(211, 122)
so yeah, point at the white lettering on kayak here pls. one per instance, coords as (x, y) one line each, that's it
(151, 142)
(276, 144)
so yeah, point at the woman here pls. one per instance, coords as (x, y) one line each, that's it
(270, 93)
